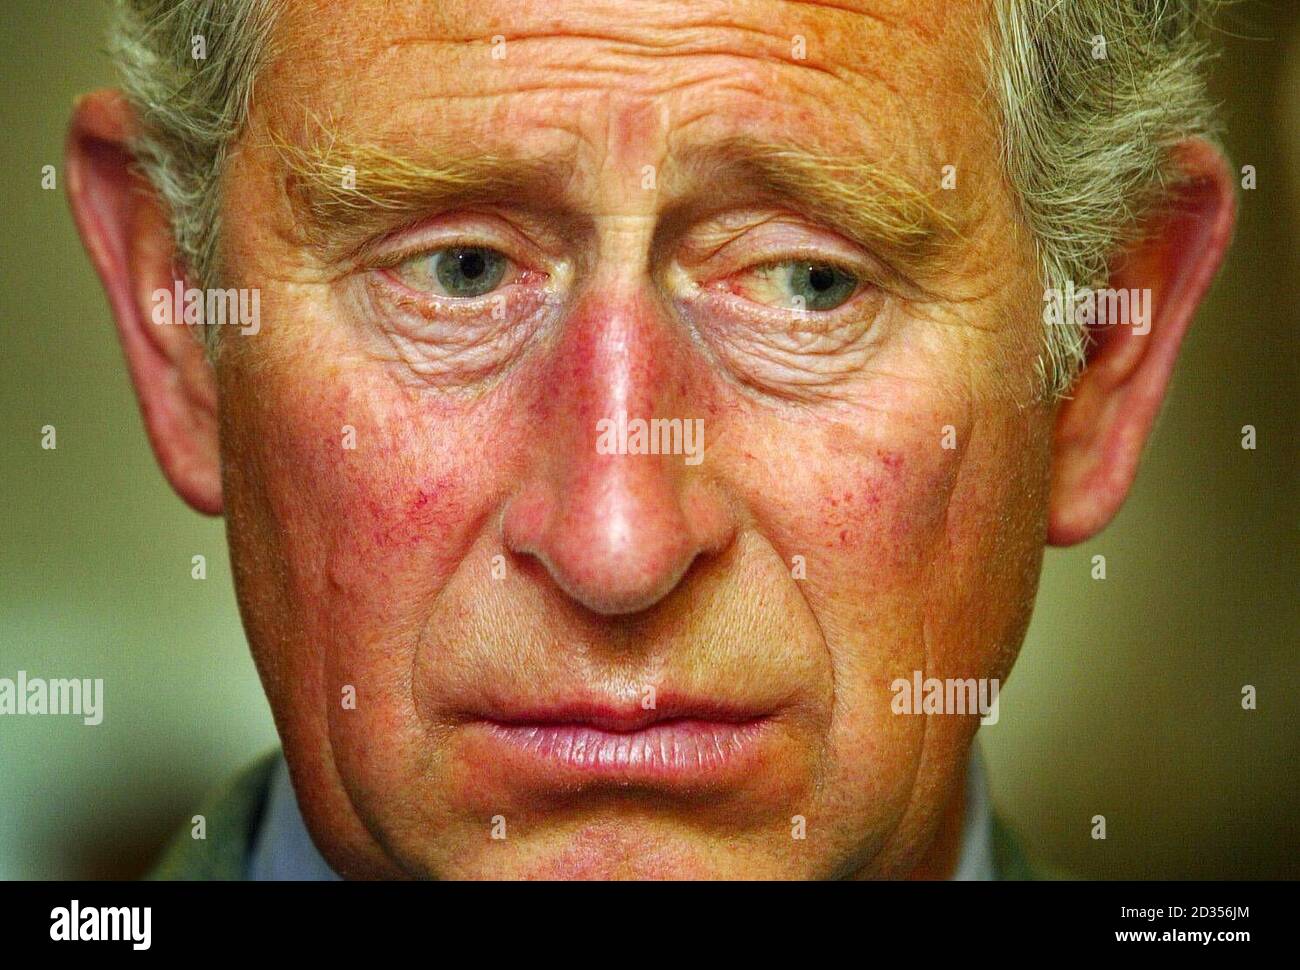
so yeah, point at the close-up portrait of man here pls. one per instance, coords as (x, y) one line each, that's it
(638, 428)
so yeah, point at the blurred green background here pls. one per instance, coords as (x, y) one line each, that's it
(1126, 699)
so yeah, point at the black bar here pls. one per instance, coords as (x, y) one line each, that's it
(660, 921)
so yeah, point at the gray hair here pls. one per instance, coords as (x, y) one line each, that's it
(191, 108)
(1092, 97)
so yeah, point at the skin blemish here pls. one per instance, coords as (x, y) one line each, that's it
(891, 460)
(418, 520)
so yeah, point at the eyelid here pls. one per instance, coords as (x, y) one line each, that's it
(397, 257)
(468, 229)
(457, 237)
(430, 309)
(861, 273)
(777, 232)
(780, 318)
(733, 259)
(866, 278)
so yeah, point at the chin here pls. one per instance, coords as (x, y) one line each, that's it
(603, 851)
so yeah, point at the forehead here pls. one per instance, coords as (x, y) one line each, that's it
(631, 83)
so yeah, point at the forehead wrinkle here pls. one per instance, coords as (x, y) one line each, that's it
(625, 57)
(870, 12)
(691, 29)
(556, 22)
(586, 77)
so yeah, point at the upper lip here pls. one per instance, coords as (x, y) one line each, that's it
(624, 717)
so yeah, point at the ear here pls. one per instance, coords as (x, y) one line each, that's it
(124, 227)
(1101, 430)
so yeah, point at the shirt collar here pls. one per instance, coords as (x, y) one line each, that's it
(283, 849)
(975, 859)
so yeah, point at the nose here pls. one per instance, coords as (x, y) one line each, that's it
(616, 525)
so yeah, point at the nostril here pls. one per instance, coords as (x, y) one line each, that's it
(608, 560)
(618, 577)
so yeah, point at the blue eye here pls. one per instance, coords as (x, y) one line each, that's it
(457, 271)
(819, 286)
(797, 284)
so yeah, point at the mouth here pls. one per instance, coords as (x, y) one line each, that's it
(678, 744)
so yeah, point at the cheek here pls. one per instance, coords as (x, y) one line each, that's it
(888, 502)
(866, 506)
(356, 503)
(377, 491)
(366, 502)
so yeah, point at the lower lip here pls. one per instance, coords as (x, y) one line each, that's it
(677, 750)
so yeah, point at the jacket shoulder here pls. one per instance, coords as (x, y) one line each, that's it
(231, 815)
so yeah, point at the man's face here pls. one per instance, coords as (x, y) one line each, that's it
(493, 647)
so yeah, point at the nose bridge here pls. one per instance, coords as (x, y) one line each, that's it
(622, 355)
(614, 492)
(614, 519)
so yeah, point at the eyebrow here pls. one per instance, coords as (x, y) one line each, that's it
(347, 195)
(882, 210)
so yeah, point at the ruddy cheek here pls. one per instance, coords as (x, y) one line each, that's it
(888, 506)
(394, 527)
(406, 514)
(366, 498)
(846, 513)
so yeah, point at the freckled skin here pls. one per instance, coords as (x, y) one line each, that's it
(373, 567)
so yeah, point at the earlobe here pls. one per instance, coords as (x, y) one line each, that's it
(124, 228)
(1101, 430)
